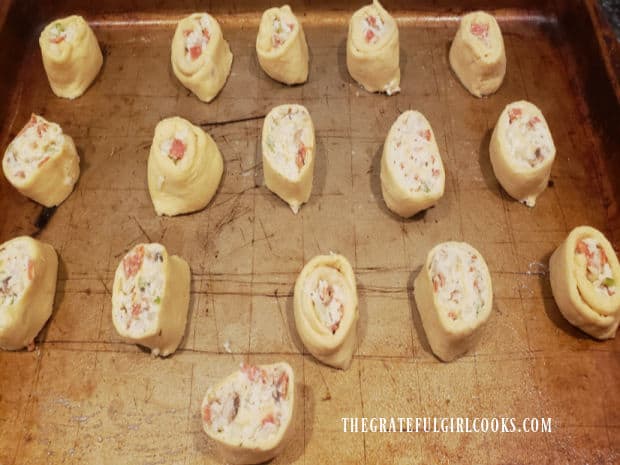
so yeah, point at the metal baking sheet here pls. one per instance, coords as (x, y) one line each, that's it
(85, 397)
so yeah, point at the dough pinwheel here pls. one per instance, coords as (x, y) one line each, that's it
(326, 310)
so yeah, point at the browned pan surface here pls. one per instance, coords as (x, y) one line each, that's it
(85, 397)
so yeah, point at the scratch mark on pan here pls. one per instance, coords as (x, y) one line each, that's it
(141, 228)
(231, 121)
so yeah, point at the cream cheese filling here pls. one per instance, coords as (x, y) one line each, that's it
(459, 282)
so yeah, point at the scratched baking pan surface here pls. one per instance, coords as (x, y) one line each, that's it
(86, 397)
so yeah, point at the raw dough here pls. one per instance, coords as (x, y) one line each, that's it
(42, 162)
(27, 286)
(201, 58)
(326, 311)
(71, 56)
(248, 414)
(477, 54)
(454, 296)
(373, 49)
(412, 173)
(150, 298)
(522, 151)
(585, 278)
(281, 46)
(288, 153)
(184, 168)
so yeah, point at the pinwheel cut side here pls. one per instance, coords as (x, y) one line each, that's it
(454, 295)
(585, 278)
(28, 270)
(201, 58)
(42, 162)
(373, 49)
(281, 46)
(71, 56)
(185, 167)
(477, 54)
(150, 298)
(249, 413)
(326, 309)
(522, 151)
(288, 154)
(412, 172)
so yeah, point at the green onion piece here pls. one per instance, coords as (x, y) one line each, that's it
(609, 282)
(157, 300)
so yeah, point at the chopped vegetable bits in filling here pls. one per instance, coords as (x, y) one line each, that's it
(413, 155)
(62, 32)
(282, 30)
(373, 27)
(251, 406)
(197, 37)
(598, 270)
(328, 300)
(288, 140)
(140, 288)
(16, 272)
(176, 146)
(459, 282)
(37, 142)
(480, 30)
(528, 137)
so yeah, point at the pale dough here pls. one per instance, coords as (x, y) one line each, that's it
(288, 153)
(71, 56)
(373, 49)
(28, 269)
(585, 278)
(412, 172)
(42, 162)
(522, 151)
(201, 58)
(326, 309)
(454, 295)
(477, 54)
(249, 413)
(185, 167)
(281, 46)
(150, 298)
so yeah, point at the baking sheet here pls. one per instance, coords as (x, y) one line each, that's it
(84, 396)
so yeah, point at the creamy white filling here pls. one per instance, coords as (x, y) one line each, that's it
(413, 156)
(141, 287)
(16, 271)
(287, 138)
(528, 138)
(373, 27)
(251, 407)
(459, 282)
(62, 32)
(197, 38)
(176, 146)
(282, 30)
(37, 142)
(598, 270)
(328, 302)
